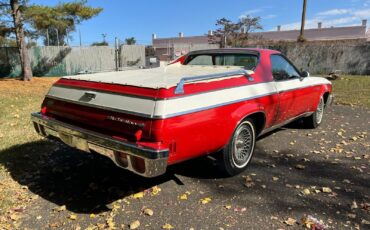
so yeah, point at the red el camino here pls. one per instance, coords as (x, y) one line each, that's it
(209, 101)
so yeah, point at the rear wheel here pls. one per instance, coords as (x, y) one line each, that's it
(238, 153)
(315, 119)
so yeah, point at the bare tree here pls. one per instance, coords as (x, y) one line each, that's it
(234, 34)
(301, 34)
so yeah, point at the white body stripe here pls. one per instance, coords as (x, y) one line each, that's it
(118, 102)
(297, 83)
(192, 103)
(181, 105)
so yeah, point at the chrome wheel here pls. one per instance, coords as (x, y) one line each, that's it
(320, 111)
(243, 144)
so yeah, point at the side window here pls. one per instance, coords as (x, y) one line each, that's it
(201, 60)
(282, 69)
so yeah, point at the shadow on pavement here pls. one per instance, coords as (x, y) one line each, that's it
(87, 183)
(84, 182)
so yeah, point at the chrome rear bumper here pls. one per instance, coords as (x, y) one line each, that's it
(145, 161)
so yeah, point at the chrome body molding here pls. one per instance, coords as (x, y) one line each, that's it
(285, 123)
(155, 160)
(180, 86)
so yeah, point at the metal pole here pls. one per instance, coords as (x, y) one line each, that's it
(116, 52)
(79, 34)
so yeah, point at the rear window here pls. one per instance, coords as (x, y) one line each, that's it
(248, 61)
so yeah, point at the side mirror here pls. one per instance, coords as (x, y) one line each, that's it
(305, 74)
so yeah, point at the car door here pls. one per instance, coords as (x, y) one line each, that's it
(290, 87)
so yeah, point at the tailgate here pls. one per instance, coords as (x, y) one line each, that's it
(118, 113)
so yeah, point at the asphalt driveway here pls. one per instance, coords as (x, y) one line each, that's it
(295, 173)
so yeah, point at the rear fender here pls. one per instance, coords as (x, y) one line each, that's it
(245, 111)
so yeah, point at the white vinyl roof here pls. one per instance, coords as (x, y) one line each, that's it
(162, 77)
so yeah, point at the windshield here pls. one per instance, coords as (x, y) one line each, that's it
(248, 61)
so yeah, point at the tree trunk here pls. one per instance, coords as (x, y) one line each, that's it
(301, 34)
(19, 34)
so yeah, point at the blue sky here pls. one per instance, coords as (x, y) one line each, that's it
(141, 18)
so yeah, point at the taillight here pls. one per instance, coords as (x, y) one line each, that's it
(138, 135)
(43, 110)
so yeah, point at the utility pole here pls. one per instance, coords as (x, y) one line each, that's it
(301, 34)
(79, 34)
(116, 52)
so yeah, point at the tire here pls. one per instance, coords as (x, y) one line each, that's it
(315, 119)
(237, 154)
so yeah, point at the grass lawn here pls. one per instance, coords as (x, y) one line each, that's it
(18, 99)
(352, 90)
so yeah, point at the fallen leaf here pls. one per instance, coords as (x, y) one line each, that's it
(227, 206)
(240, 209)
(56, 225)
(72, 217)
(274, 218)
(299, 166)
(306, 191)
(148, 212)
(311, 222)
(185, 195)
(365, 222)
(354, 205)
(60, 208)
(205, 200)
(248, 178)
(14, 217)
(135, 224)
(167, 226)
(138, 195)
(326, 189)
(110, 223)
(352, 215)
(156, 190)
(290, 221)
